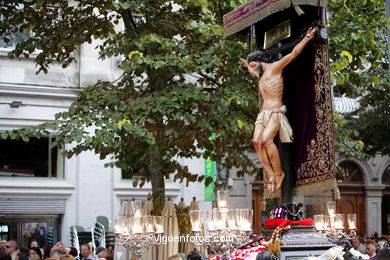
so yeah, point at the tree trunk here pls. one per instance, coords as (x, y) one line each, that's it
(157, 180)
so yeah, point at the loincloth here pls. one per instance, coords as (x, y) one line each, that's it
(285, 131)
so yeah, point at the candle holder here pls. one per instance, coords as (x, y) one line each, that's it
(333, 225)
(228, 228)
(138, 233)
(223, 199)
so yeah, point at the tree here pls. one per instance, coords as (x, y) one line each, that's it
(360, 69)
(153, 114)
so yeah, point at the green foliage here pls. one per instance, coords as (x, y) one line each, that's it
(360, 69)
(178, 85)
(183, 220)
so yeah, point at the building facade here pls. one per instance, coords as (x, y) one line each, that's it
(42, 194)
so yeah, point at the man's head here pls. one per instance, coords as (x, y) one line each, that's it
(3, 243)
(85, 250)
(196, 255)
(34, 243)
(254, 62)
(260, 56)
(370, 248)
(55, 254)
(356, 242)
(11, 247)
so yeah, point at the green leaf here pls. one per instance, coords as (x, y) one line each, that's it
(3, 135)
(240, 123)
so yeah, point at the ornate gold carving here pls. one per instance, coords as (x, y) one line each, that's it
(320, 162)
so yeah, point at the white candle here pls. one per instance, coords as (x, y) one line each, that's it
(245, 225)
(137, 229)
(196, 226)
(319, 226)
(137, 213)
(159, 228)
(211, 225)
(338, 225)
(118, 229)
(222, 204)
(352, 225)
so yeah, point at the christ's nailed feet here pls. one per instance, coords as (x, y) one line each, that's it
(275, 182)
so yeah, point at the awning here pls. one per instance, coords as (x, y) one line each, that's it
(256, 10)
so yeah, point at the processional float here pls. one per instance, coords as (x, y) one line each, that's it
(276, 26)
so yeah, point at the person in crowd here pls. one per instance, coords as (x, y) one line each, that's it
(2, 247)
(371, 248)
(35, 253)
(86, 252)
(55, 254)
(11, 249)
(384, 254)
(382, 243)
(34, 243)
(61, 247)
(358, 244)
(5, 257)
(374, 236)
(179, 256)
(23, 253)
(73, 252)
(196, 255)
(46, 252)
(101, 253)
(110, 253)
(67, 257)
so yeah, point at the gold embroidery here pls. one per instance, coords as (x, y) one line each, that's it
(320, 162)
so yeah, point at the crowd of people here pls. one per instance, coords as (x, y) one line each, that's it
(9, 250)
(374, 246)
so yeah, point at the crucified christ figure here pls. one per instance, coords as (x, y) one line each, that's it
(271, 118)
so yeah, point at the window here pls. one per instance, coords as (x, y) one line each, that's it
(386, 176)
(128, 174)
(34, 158)
(45, 229)
(16, 37)
(349, 172)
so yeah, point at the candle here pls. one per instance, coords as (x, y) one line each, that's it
(338, 225)
(245, 225)
(149, 223)
(210, 221)
(159, 229)
(137, 225)
(137, 213)
(196, 226)
(223, 199)
(352, 221)
(159, 224)
(137, 229)
(222, 204)
(331, 205)
(319, 226)
(117, 229)
(339, 221)
(196, 218)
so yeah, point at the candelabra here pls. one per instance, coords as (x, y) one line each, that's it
(136, 232)
(333, 225)
(228, 228)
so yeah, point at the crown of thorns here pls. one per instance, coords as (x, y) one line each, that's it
(259, 56)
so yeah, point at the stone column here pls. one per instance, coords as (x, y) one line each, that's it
(373, 201)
